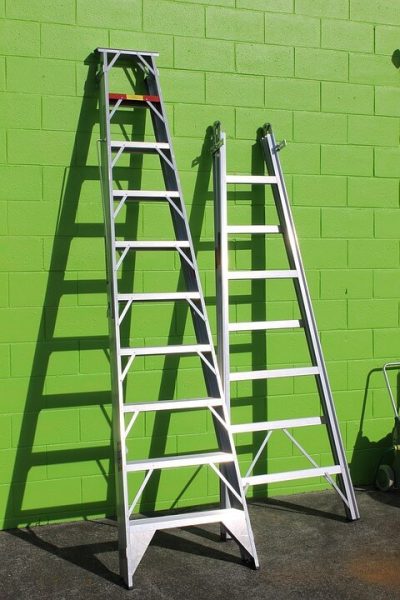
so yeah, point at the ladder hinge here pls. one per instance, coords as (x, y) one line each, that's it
(280, 146)
(217, 140)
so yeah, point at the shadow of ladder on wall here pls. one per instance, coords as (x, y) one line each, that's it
(295, 272)
(136, 534)
(58, 495)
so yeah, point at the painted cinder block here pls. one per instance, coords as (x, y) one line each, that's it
(381, 11)
(337, 9)
(204, 55)
(298, 30)
(347, 35)
(321, 64)
(234, 24)
(57, 11)
(347, 98)
(160, 16)
(259, 59)
(115, 14)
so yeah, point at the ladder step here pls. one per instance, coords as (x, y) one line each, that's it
(127, 52)
(272, 425)
(291, 475)
(253, 229)
(186, 460)
(158, 296)
(149, 194)
(172, 405)
(153, 245)
(185, 519)
(139, 146)
(264, 325)
(251, 179)
(274, 373)
(133, 98)
(155, 350)
(275, 274)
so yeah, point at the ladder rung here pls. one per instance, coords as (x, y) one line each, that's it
(275, 274)
(153, 245)
(172, 405)
(150, 194)
(291, 475)
(185, 519)
(133, 98)
(253, 229)
(159, 296)
(274, 373)
(186, 460)
(272, 425)
(155, 350)
(264, 325)
(139, 146)
(251, 179)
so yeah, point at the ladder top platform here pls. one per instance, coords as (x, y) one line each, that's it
(128, 52)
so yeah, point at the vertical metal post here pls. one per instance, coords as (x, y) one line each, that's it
(118, 422)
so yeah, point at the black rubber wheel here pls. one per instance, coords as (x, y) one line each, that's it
(384, 478)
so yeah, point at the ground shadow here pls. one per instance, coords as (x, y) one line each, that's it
(367, 454)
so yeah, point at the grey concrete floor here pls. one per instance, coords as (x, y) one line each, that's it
(306, 550)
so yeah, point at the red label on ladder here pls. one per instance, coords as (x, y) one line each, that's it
(133, 98)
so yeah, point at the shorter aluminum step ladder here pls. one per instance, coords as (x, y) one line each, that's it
(295, 272)
(136, 533)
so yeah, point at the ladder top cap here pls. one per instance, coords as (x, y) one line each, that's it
(129, 52)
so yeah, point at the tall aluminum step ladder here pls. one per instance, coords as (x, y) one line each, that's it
(270, 148)
(135, 534)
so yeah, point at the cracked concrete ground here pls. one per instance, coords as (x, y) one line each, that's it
(305, 546)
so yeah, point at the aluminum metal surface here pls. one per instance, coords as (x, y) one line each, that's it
(134, 537)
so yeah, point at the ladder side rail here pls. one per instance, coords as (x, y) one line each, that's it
(118, 422)
(270, 149)
(222, 265)
(221, 269)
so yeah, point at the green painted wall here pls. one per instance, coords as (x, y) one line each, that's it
(322, 72)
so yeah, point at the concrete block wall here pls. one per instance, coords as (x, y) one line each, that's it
(325, 73)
